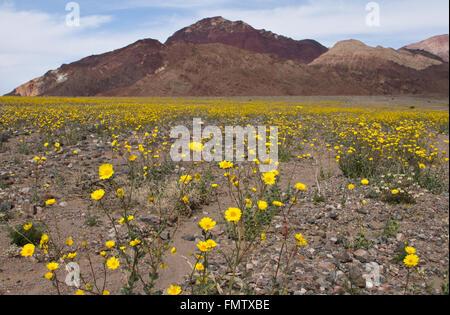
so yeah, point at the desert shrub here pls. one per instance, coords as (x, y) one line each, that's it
(434, 181)
(398, 189)
(20, 237)
(358, 165)
(318, 198)
(390, 228)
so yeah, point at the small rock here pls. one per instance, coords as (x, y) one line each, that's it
(362, 211)
(302, 291)
(165, 235)
(29, 209)
(356, 277)
(13, 251)
(189, 238)
(6, 206)
(111, 233)
(361, 255)
(217, 232)
(4, 138)
(344, 257)
(334, 215)
(325, 266)
(39, 211)
(25, 190)
(337, 290)
(153, 220)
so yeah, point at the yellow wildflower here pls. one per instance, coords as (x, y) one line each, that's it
(196, 146)
(98, 194)
(120, 193)
(52, 266)
(262, 205)
(411, 261)
(269, 178)
(225, 165)
(300, 186)
(186, 179)
(207, 224)
(199, 267)
(28, 226)
(174, 290)
(27, 250)
(301, 241)
(410, 250)
(277, 204)
(233, 215)
(113, 263)
(106, 171)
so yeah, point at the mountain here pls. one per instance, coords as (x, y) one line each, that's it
(356, 55)
(96, 74)
(242, 35)
(437, 45)
(216, 57)
(379, 70)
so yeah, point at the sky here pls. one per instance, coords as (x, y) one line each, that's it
(38, 36)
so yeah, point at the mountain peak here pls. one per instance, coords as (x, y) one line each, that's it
(355, 54)
(437, 45)
(241, 35)
(217, 23)
(350, 44)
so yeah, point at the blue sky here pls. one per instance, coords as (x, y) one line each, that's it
(35, 38)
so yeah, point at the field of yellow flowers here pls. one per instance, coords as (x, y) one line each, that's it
(91, 202)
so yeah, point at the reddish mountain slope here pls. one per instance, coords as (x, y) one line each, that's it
(242, 35)
(437, 45)
(356, 55)
(96, 74)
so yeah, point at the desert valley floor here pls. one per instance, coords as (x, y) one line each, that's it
(361, 190)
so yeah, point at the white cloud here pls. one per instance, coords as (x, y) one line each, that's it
(172, 4)
(34, 42)
(326, 19)
(30, 31)
(94, 21)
